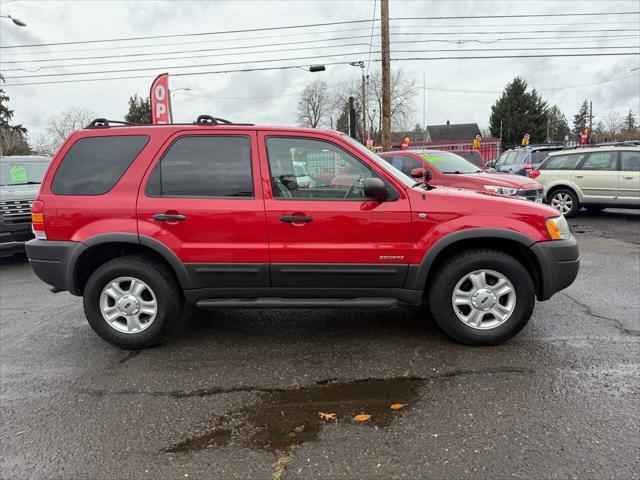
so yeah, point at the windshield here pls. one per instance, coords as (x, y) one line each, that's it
(299, 171)
(20, 172)
(447, 162)
(409, 182)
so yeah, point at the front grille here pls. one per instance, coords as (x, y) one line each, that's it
(14, 209)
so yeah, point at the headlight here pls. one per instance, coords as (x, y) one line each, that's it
(501, 190)
(558, 228)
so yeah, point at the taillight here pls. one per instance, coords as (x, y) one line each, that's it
(37, 220)
(534, 174)
(528, 167)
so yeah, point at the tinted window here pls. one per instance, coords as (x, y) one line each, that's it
(600, 161)
(14, 171)
(93, 165)
(334, 173)
(630, 161)
(204, 166)
(539, 155)
(518, 157)
(473, 157)
(562, 162)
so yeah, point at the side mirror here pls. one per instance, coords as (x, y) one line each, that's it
(374, 189)
(418, 173)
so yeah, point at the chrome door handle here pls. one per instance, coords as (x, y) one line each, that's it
(165, 217)
(627, 177)
(579, 176)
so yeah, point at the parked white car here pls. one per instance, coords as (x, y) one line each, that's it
(594, 178)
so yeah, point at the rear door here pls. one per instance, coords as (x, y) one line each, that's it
(629, 178)
(597, 177)
(202, 198)
(325, 234)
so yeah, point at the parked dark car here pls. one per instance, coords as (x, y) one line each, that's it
(20, 178)
(472, 156)
(523, 160)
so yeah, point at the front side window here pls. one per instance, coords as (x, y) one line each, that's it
(330, 173)
(562, 162)
(630, 161)
(93, 165)
(204, 166)
(405, 164)
(601, 161)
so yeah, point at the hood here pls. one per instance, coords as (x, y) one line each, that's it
(18, 192)
(505, 180)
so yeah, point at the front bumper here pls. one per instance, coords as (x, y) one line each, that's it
(13, 238)
(559, 262)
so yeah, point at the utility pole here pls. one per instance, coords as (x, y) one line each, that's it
(386, 74)
(364, 110)
(424, 109)
(352, 119)
(590, 120)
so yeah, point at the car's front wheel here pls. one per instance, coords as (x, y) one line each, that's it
(482, 297)
(565, 201)
(132, 302)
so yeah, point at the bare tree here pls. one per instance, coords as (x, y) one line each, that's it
(59, 127)
(314, 105)
(613, 123)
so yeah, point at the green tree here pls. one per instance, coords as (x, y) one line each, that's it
(581, 119)
(12, 137)
(139, 110)
(630, 124)
(342, 123)
(519, 112)
(558, 126)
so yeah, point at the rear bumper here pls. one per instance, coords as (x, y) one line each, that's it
(559, 262)
(50, 261)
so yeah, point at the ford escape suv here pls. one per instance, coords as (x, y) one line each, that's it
(139, 220)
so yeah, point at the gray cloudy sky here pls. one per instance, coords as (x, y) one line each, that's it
(65, 21)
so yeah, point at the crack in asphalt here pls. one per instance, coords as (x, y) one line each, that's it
(616, 323)
(129, 356)
(207, 392)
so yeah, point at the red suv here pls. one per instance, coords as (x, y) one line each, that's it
(440, 167)
(140, 219)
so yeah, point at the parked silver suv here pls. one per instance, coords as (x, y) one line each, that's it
(594, 178)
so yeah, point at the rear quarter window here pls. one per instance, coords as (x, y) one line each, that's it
(93, 165)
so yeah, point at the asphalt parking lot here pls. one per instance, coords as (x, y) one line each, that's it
(237, 394)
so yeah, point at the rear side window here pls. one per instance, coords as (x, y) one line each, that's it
(204, 166)
(93, 165)
(630, 161)
(601, 161)
(562, 162)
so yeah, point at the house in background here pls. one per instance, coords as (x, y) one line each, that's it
(450, 136)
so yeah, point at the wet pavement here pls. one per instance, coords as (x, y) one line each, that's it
(239, 394)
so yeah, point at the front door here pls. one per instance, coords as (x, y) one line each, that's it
(597, 177)
(322, 232)
(629, 178)
(203, 199)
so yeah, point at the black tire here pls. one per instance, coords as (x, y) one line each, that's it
(159, 279)
(575, 203)
(454, 269)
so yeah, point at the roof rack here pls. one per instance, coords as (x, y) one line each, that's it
(104, 123)
(209, 120)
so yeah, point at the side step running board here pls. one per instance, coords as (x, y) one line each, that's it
(268, 302)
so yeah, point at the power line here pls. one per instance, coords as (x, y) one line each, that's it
(528, 47)
(373, 24)
(288, 67)
(309, 25)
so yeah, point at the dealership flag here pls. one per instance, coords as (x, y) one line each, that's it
(160, 101)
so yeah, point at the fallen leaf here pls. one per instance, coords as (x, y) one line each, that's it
(327, 416)
(19, 433)
(363, 417)
(398, 406)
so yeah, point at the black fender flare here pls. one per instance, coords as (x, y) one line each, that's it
(417, 277)
(155, 245)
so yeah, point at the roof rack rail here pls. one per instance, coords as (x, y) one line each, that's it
(104, 123)
(209, 120)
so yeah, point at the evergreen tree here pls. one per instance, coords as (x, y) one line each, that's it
(558, 125)
(520, 112)
(581, 119)
(630, 122)
(342, 124)
(139, 110)
(12, 137)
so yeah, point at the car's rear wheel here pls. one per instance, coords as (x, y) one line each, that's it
(565, 201)
(132, 302)
(482, 297)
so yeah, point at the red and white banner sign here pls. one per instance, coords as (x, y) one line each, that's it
(160, 100)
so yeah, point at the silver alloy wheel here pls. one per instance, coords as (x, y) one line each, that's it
(128, 305)
(562, 202)
(484, 299)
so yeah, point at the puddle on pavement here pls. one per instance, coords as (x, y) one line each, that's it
(283, 419)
